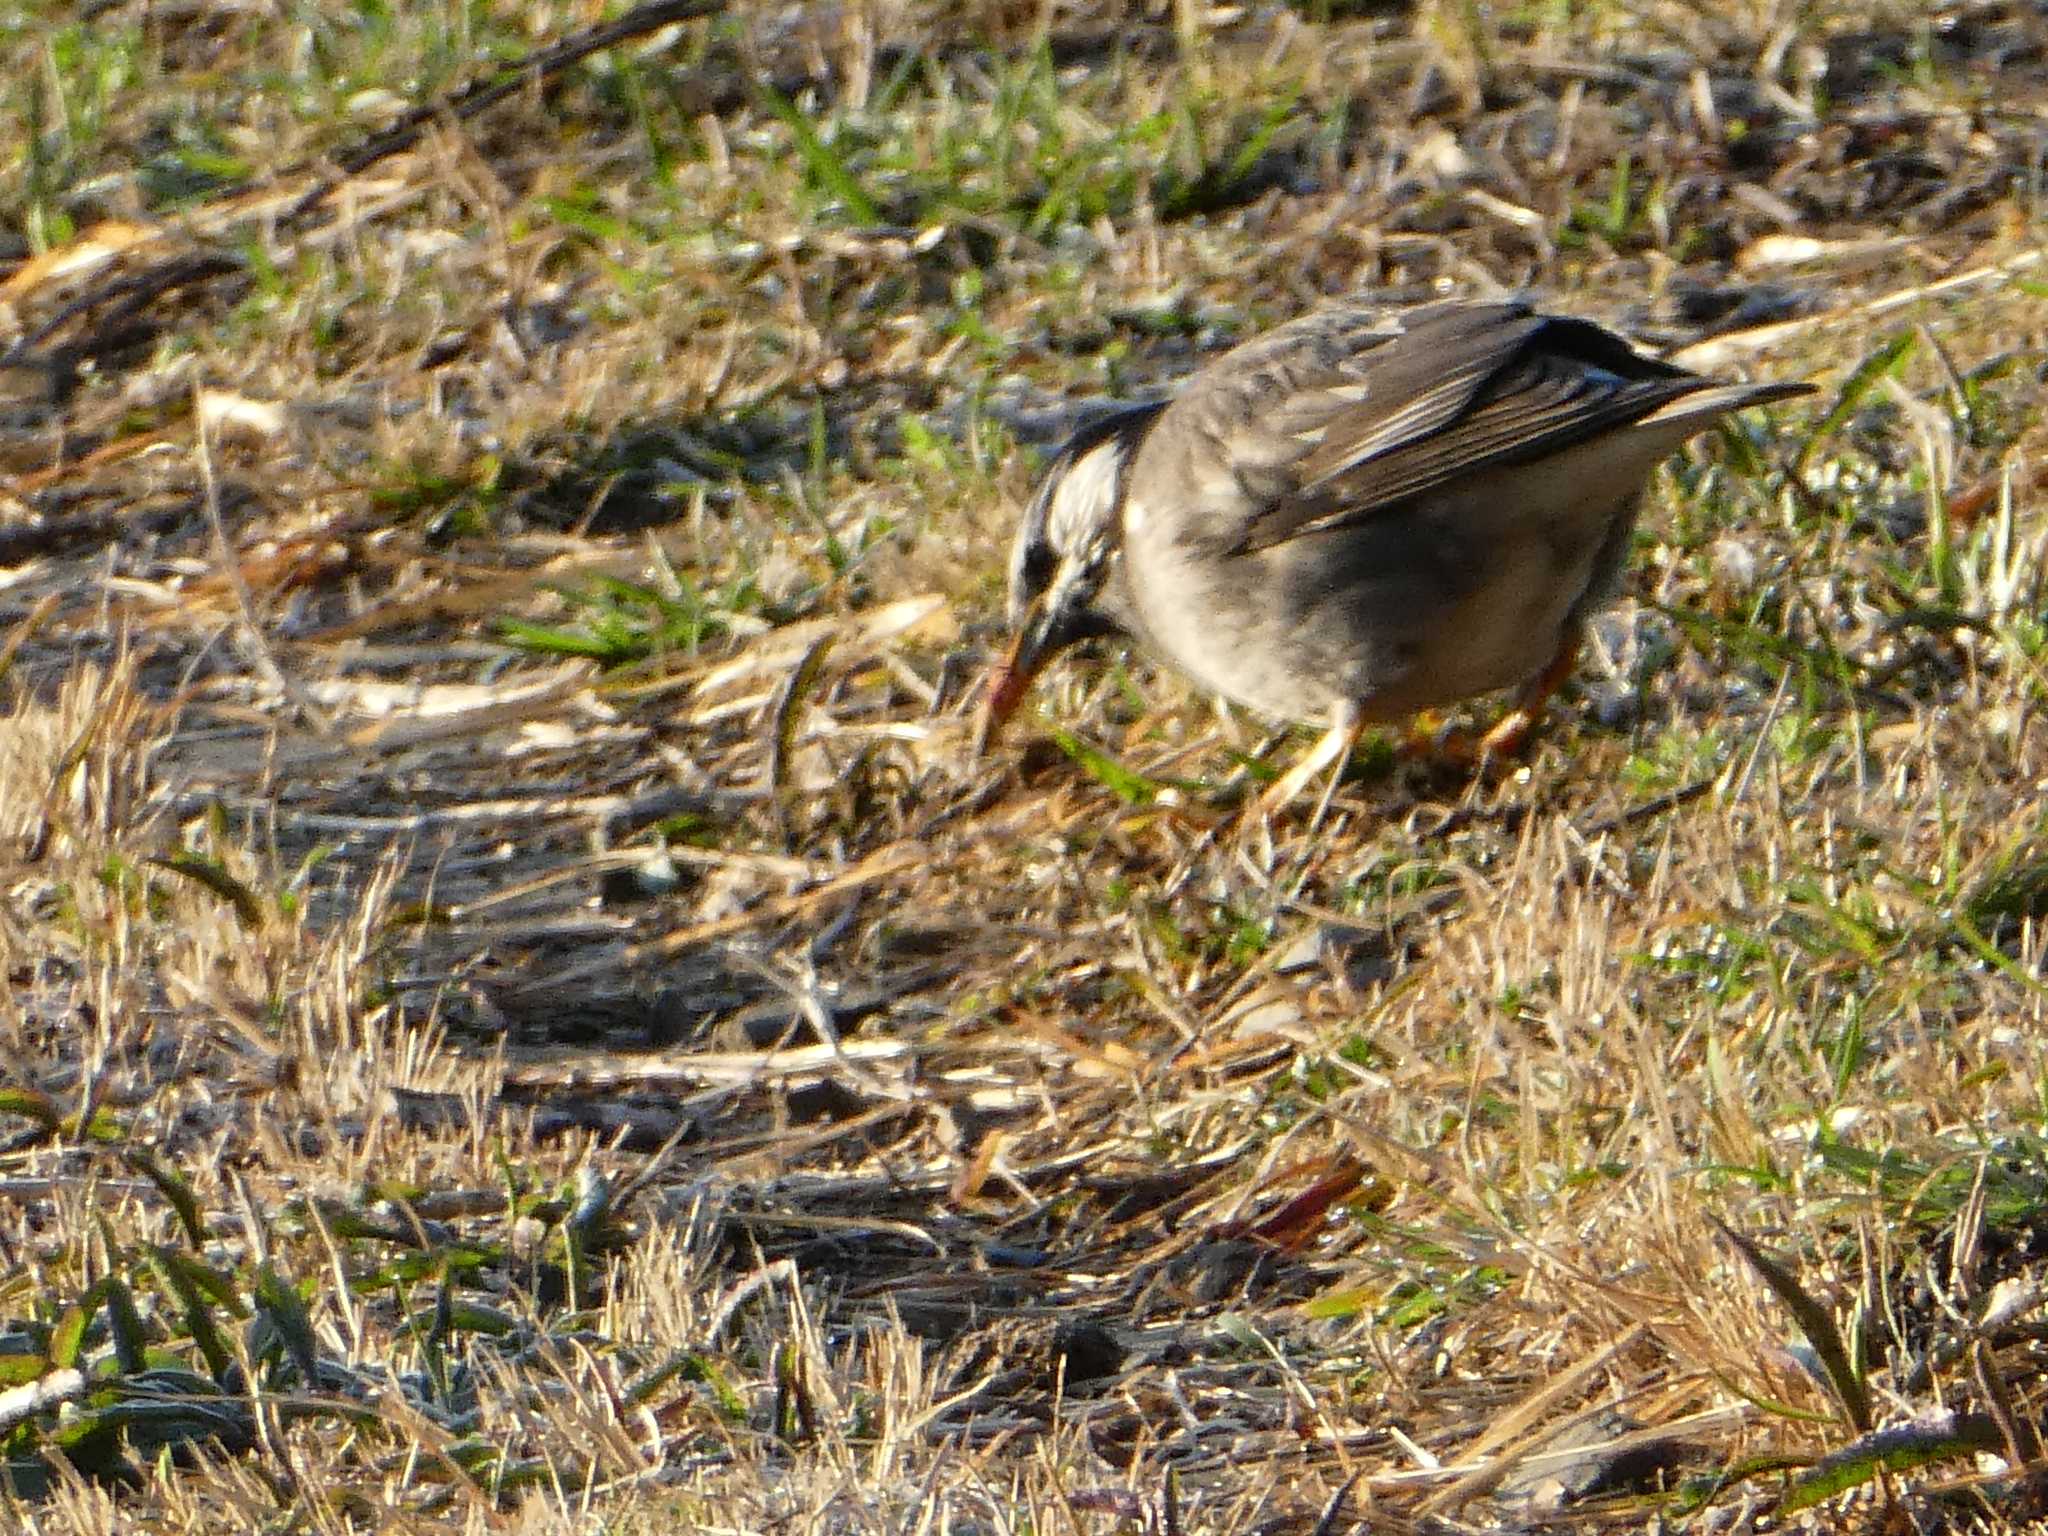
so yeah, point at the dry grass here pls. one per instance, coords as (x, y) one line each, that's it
(522, 1013)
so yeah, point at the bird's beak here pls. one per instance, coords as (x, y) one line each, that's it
(1048, 628)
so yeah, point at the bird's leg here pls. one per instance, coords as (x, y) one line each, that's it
(1328, 753)
(1510, 734)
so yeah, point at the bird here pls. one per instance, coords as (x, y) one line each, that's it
(1361, 515)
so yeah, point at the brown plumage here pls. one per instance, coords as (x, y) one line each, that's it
(1361, 515)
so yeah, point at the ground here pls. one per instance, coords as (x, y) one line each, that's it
(522, 1011)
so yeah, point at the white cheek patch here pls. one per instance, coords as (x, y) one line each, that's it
(1085, 499)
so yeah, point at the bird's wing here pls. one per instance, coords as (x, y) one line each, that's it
(1459, 389)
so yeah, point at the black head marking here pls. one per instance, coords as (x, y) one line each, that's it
(1073, 514)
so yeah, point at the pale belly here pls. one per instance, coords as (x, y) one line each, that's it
(1412, 609)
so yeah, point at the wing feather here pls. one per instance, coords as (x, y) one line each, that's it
(1454, 392)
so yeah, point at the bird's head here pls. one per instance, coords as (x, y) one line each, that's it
(1063, 567)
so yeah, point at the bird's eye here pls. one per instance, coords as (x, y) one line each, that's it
(1031, 574)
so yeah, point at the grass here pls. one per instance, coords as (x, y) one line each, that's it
(519, 1010)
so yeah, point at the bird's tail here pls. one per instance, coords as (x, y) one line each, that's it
(1704, 404)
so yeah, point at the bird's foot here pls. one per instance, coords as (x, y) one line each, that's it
(1491, 752)
(1328, 755)
(1431, 741)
